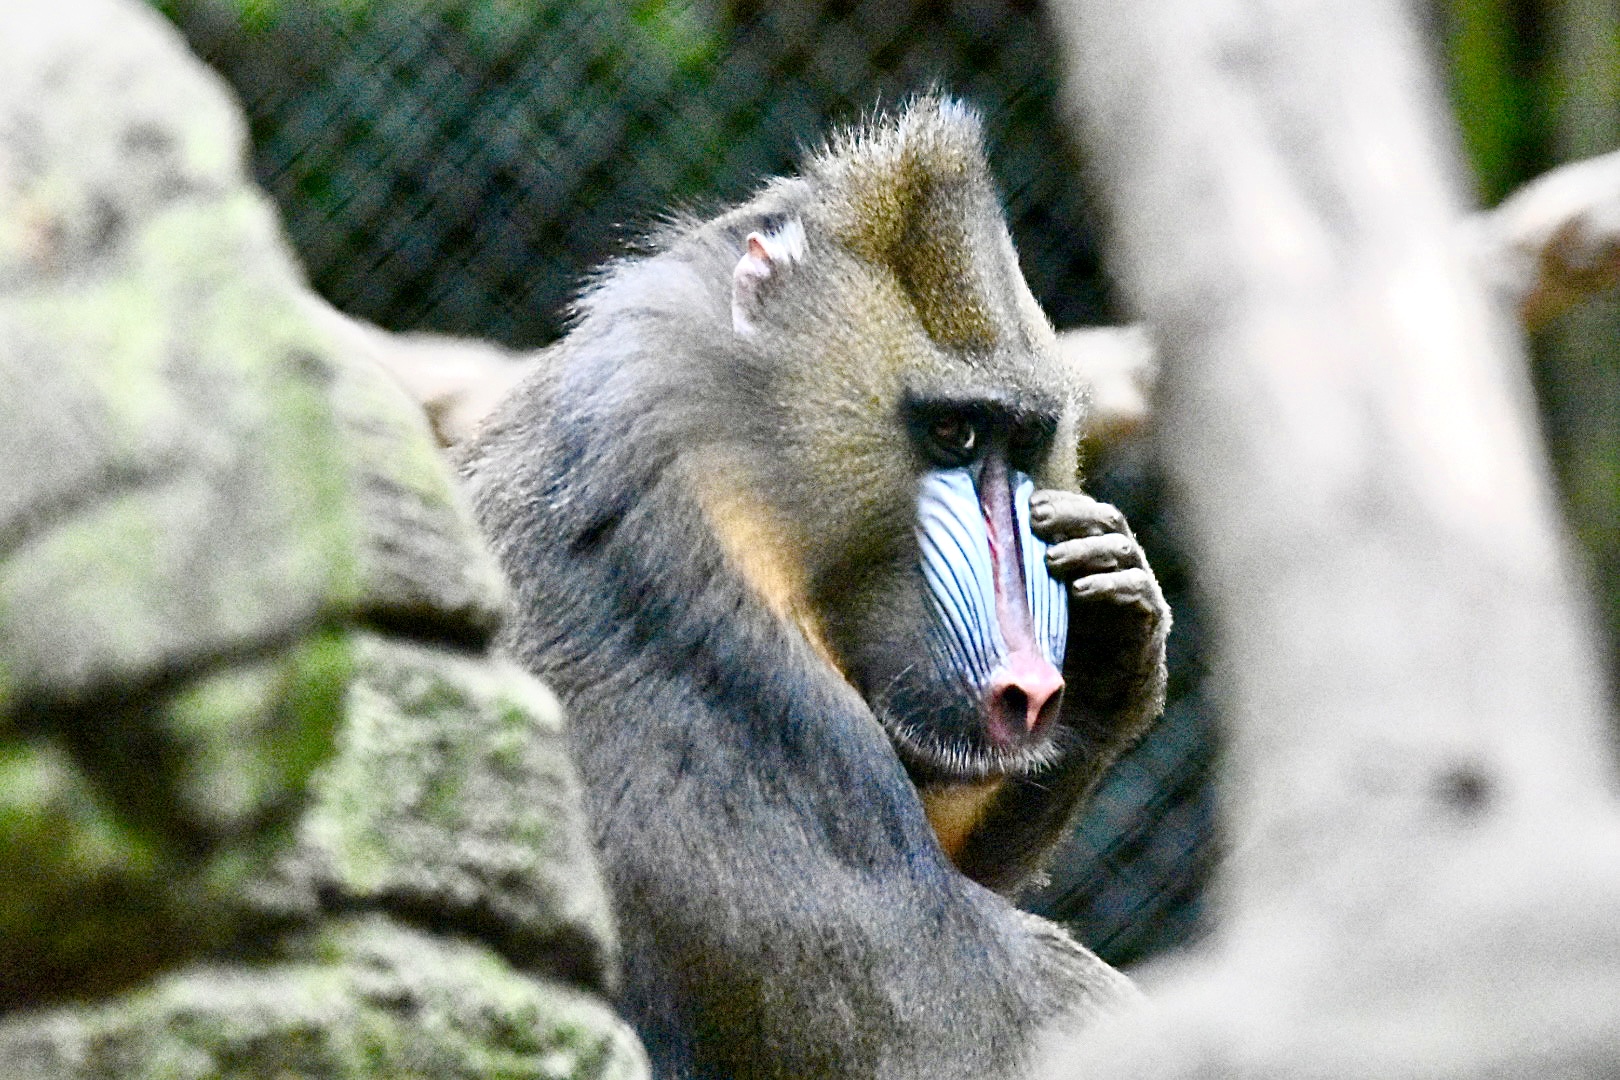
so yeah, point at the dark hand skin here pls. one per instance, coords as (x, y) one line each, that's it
(1118, 618)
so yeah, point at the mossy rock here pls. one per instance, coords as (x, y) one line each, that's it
(369, 999)
(205, 513)
(452, 802)
(133, 838)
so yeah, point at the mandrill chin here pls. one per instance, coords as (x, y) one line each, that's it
(792, 526)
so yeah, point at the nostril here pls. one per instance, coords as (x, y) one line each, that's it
(1045, 712)
(1025, 692)
(1013, 703)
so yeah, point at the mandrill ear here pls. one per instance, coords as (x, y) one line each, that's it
(766, 258)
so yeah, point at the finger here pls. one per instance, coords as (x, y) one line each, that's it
(1066, 515)
(1093, 555)
(1134, 586)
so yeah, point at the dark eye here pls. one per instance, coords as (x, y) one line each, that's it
(955, 439)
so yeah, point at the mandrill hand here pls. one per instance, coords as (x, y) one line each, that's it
(1118, 620)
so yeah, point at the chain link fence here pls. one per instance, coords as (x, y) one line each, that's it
(460, 165)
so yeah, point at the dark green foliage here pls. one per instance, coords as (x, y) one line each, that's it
(1536, 83)
(1496, 53)
(460, 165)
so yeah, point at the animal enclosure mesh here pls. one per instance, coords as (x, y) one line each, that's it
(459, 165)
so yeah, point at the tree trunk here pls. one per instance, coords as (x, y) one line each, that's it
(1425, 868)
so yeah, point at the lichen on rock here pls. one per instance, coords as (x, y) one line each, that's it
(269, 804)
(371, 1000)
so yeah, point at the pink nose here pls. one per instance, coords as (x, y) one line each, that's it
(1024, 692)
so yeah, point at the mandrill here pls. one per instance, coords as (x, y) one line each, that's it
(791, 524)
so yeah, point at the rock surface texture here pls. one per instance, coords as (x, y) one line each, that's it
(268, 805)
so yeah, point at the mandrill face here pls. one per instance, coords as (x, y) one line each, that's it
(980, 694)
(933, 407)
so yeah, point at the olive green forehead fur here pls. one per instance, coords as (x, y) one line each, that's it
(910, 196)
(914, 196)
(901, 219)
(905, 284)
(931, 277)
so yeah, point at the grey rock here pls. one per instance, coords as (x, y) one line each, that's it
(452, 801)
(371, 1000)
(158, 369)
(268, 803)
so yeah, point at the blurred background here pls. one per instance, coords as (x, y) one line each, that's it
(460, 165)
